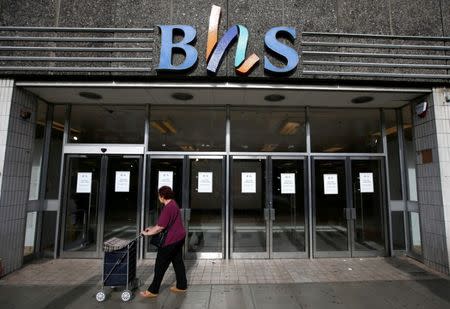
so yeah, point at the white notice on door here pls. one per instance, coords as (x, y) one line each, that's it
(122, 181)
(287, 183)
(248, 181)
(330, 184)
(366, 182)
(165, 178)
(84, 182)
(205, 182)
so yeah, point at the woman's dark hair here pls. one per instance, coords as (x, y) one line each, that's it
(166, 193)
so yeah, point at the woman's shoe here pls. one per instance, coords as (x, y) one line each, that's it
(174, 289)
(148, 294)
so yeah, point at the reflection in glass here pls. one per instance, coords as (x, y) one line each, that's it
(410, 153)
(368, 205)
(121, 207)
(268, 129)
(249, 225)
(289, 224)
(30, 234)
(187, 129)
(158, 165)
(107, 124)
(38, 149)
(416, 243)
(395, 184)
(205, 224)
(54, 157)
(82, 208)
(345, 130)
(331, 223)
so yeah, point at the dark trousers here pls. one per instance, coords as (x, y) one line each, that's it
(170, 254)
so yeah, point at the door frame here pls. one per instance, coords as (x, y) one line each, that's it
(101, 201)
(147, 181)
(297, 254)
(383, 206)
(351, 252)
(187, 209)
(267, 184)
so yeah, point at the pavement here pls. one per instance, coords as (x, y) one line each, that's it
(216, 284)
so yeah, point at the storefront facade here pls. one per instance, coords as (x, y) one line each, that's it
(291, 129)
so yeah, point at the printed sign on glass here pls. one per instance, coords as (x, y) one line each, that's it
(248, 182)
(366, 182)
(122, 181)
(84, 182)
(288, 183)
(165, 178)
(330, 184)
(205, 182)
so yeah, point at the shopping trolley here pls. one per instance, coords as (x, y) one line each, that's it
(119, 267)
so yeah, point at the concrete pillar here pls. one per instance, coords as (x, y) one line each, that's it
(16, 142)
(432, 142)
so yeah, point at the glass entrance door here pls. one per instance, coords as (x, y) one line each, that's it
(250, 216)
(204, 212)
(348, 207)
(101, 201)
(162, 171)
(368, 201)
(330, 204)
(288, 228)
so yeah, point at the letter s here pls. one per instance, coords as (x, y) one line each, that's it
(168, 46)
(286, 52)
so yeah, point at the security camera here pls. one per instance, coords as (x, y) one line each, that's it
(103, 150)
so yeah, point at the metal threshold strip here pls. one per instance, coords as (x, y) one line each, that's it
(226, 85)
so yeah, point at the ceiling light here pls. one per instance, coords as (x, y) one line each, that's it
(274, 97)
(290, 128)
(158, 127)
(182, 96)
(362, 99)
(75, 138)
(169, 125)
(90, 95)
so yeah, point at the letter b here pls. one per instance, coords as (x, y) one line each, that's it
(168, 47)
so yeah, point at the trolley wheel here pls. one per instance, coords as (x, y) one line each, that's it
(100, 296)
(126, 295)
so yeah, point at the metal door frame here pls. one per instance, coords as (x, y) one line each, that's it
(319, 254)
(383, 208)
(268, 183)
(147, 181)
(351, 252)
(101, 207)
(187, 209)
(298, 254)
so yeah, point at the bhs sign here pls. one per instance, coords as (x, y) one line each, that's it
(216, 49)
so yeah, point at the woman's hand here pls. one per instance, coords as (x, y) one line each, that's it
(146, 232)
(152, 230)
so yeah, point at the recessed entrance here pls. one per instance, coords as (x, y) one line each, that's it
(101, 202)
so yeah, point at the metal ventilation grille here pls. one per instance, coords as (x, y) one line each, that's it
(53, 49)
(384, 56)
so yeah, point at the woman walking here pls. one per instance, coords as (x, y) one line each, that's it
(171, 251)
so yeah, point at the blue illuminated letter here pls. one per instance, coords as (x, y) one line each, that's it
(168, 47)
(286, 52)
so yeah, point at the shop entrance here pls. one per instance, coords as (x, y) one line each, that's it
(348, 207)
(268, 206)
(101, 201)
(199, 186)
